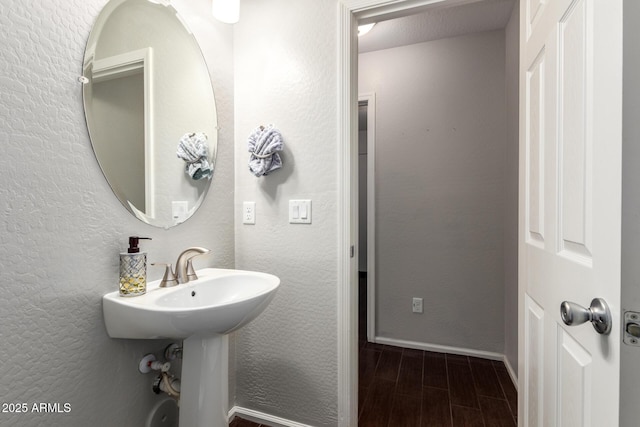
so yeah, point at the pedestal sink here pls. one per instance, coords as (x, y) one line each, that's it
(201, 312)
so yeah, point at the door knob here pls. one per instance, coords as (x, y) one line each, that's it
(598, 314)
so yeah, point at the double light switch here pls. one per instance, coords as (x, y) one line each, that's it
(300, 211)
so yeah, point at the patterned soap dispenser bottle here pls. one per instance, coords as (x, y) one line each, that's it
(133, 269)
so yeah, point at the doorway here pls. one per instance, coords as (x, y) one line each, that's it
(373, 11)
(443, 185)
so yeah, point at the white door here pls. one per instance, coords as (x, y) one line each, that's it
(570, 208)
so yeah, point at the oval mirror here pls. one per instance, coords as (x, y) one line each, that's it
(150, 110)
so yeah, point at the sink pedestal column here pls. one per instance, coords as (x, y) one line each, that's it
(204, 395)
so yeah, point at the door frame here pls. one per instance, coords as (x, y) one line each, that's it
(350, 14)
(124, 65)
(370, 100)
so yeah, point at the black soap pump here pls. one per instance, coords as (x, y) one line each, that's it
(133, 269)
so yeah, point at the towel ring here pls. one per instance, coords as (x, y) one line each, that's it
(192, 134)
(262, 156)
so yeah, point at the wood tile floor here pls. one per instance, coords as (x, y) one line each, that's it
(404, 387)
(239, 422)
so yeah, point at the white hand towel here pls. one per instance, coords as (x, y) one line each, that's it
(194, 150)
(263, 144)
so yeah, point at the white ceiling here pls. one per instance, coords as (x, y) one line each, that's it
(437, 23)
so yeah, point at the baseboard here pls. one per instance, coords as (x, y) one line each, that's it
(452, 350)
(512, 373)
(262, 418)
(440, 348)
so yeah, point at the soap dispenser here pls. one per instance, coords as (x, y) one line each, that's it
(133, 269)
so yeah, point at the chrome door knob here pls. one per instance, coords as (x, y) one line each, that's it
(598, 314)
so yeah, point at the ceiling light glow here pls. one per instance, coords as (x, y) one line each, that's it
(364, 29)
(227, 11)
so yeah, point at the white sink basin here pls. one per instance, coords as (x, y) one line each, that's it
(219, 302)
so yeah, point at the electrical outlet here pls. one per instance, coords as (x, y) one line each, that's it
(249, 213)
(179, 211)
(417, 305)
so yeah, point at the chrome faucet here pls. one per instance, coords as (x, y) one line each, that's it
(184, 266)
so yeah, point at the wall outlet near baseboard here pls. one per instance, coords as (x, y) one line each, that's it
(417, 305)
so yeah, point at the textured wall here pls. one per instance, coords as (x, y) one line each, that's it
(62, 228)
(285, 74)
(440, 154)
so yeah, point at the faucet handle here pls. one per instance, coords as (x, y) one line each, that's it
(191, 272)
(184, 265)
(169, 278)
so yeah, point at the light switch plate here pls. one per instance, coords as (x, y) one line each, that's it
(249, 212)
(300, 211)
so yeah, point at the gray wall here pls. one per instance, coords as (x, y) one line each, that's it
(362, 197)
(440, 189)
(512, 64)
(62, 228)
(285, 74)
(121, 150)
